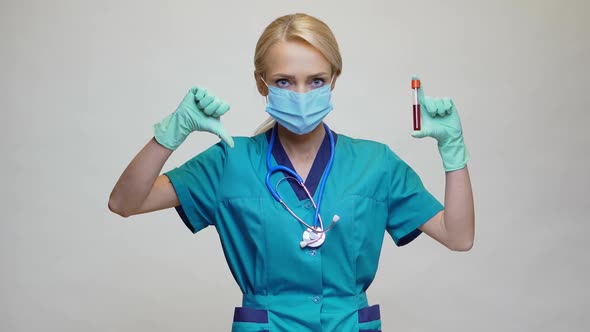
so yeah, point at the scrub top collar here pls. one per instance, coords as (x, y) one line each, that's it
(317, 169)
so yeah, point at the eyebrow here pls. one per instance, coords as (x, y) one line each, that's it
(293, 77)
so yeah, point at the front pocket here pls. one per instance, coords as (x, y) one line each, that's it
(250, 320)
(369, 319)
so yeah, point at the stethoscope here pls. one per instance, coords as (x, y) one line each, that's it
(313, 236)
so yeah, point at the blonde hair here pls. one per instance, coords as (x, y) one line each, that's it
(296, 27)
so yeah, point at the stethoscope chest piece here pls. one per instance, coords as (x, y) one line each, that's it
(313, 238)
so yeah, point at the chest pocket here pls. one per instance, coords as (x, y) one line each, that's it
(357, 237)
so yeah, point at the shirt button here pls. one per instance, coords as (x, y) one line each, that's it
(316, 299)
(307, 205)
(312, 252)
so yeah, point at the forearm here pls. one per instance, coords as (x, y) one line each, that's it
(137, 180)
(459, 215)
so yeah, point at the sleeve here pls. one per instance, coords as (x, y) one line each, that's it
(196, 183)
(410, 205)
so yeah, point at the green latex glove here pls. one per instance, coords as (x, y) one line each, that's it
(198, 111)
(440, 121)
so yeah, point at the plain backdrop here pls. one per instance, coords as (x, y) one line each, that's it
(82, 83)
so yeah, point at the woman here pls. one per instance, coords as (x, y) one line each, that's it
(300, 270)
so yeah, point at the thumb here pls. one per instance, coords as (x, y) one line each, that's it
(222, 133)
(420, 133)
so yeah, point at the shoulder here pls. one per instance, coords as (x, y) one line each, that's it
(242, 142)
(245, 144)
(221, 152)
(370, 157)
(364, 147)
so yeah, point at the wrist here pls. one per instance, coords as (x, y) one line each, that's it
(169, 133)
(454, 153)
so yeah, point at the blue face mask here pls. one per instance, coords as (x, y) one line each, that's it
(300, 113)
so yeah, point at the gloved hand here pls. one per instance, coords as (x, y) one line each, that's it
(441, 122)
(198, 111)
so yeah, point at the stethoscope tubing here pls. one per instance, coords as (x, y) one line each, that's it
(272, 169)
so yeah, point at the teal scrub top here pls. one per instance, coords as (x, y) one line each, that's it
(286, 288)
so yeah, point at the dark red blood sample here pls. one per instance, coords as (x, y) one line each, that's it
(416, 117)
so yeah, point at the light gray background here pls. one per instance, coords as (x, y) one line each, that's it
(82, 82)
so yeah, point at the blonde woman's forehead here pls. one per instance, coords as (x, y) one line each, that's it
(296, 58)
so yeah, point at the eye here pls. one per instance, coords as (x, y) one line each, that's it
(282, 83)
(317, 82)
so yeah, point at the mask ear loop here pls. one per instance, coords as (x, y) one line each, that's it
(267, 88)
(332, 86)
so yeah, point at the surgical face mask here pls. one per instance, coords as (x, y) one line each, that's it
(300, 113)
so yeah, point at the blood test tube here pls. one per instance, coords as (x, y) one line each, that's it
(415, 87)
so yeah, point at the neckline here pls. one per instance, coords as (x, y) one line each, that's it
(317, 169)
